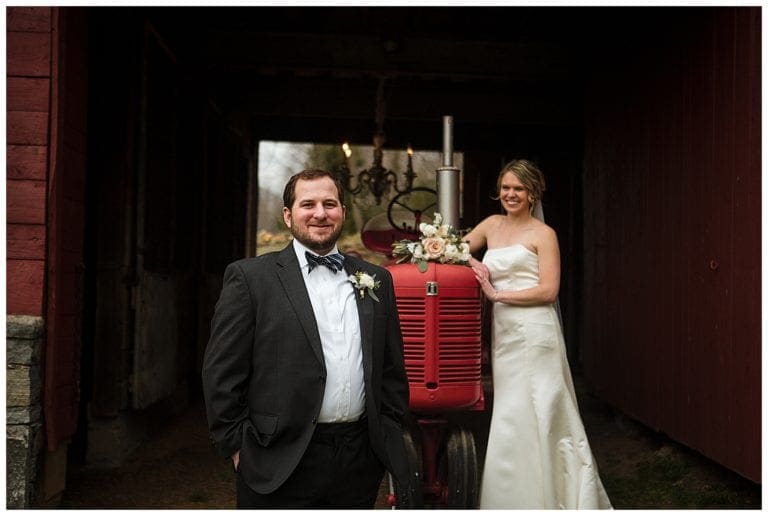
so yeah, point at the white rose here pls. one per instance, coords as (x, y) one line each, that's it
(465, 255)
(366, 281)
(427, 230)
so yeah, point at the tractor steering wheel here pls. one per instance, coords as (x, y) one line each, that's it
(415, 202)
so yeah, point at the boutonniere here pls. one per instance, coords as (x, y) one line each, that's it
(363, 283)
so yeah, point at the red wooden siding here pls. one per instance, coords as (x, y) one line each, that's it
(46, 107)
(32, 50)
(26, 162)
(28, 71)
(672, 236)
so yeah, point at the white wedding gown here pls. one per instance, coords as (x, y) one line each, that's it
(538, 456)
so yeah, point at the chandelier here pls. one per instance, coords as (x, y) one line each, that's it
(377, 178)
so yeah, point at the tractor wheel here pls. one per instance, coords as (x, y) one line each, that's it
(410, 496)
(460, 470)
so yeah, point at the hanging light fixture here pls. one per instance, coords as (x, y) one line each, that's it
(378, 179)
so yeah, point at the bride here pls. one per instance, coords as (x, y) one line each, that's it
(538, 455)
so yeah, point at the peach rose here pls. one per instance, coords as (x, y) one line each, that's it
(434, 247)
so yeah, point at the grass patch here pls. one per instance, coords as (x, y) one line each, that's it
(672, 482)
(198, 497)
(225, 472)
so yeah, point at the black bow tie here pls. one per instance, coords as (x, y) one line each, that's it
(335, 262)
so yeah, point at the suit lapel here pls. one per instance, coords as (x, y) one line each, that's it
(289, 273)
(365, 314)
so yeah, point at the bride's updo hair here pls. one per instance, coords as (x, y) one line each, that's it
(528, 174)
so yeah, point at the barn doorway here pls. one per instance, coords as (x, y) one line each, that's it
(278, 160)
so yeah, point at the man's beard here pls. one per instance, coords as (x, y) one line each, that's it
(318, 246)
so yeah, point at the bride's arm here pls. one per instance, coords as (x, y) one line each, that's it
(477, 240)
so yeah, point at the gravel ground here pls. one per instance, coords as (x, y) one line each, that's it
(177, 469)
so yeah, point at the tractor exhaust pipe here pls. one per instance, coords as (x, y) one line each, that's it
(448, 179)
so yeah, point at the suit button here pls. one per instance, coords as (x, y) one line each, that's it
(314, 420)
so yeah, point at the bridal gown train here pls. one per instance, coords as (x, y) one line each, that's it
(538, 455)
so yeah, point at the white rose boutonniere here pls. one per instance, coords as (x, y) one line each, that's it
(365, 283)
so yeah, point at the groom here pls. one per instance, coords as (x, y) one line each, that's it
(303, 377)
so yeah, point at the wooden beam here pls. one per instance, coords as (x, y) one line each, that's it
(361, 55)
(480, 102)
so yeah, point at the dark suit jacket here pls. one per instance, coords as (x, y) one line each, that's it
(264, 373)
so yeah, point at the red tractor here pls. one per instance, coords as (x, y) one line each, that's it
(441, 319)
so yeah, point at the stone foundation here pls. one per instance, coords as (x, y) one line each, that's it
(23, 416)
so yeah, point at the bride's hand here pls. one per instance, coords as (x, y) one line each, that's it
(477, 265)
(483, 276)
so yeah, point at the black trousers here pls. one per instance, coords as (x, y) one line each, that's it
(338, 470)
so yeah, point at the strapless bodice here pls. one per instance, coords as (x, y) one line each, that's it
(514, 267)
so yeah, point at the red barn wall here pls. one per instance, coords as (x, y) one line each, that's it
(672, 234)
(46, 149)
(28, 69)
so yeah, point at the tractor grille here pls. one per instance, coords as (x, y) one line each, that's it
(456, 347)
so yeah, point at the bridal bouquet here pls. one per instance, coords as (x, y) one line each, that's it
(438, 243)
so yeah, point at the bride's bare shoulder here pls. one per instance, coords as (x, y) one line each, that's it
(490, 221)
(543, 231)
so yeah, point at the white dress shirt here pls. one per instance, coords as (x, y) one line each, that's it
(335, 308)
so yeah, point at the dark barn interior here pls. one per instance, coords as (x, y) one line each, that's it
(618, 105)
(181, 97)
